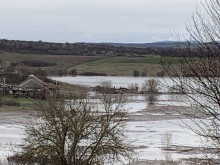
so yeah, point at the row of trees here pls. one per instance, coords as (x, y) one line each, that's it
(137, 73)
(30, 47)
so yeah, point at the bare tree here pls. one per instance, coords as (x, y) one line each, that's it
(76, 132)
(167, 139)
(199, 71)
(151, 99)
(150, 85)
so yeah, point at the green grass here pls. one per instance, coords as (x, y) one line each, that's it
(118, 66)
(122, 60)
(62, 61)
(25, 103)
(140, 60)
(124, 66)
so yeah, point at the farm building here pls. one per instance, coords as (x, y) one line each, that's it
(36, 88)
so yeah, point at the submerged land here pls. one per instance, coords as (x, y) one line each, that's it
(147, 122)
(18, 59)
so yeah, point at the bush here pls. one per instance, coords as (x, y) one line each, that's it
(143, 74)
(150, 86)
(161, 73)
(105, 87)
(136, 73)
(73, 72)
(167, 139)
(151, 99)
(133, 87)
(92, 74)
(34, 63)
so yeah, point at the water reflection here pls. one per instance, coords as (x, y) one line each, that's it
(151, 100)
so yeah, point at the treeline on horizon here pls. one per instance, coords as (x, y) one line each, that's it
(87, 49)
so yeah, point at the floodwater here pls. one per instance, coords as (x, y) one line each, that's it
(10, 136)
(119, 81)
(145, 136)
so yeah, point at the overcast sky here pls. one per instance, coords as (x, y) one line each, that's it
(94, 20)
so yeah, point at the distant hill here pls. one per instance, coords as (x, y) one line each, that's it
(161, 44)
(166, 48)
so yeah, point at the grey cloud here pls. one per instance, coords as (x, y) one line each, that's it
(93, 20)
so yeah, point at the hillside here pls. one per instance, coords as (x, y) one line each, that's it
(88, 49)
(117, 59)
(160, 44)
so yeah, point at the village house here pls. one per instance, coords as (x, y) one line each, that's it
(36, 88)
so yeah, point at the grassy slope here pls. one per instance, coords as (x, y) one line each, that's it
(125, 66)
(117, 66)
(63, 61)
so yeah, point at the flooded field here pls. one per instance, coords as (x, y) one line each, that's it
(12, 130)
(146, 126)
(117, 82)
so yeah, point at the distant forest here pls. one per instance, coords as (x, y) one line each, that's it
(91, 49)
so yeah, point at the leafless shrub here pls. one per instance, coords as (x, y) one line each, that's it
(167, 139)
(180, 89)
(150, 86)
(76, 132)
(136, 73)
(200, 60)
(133, 86)
(151, 99)
(169, 160)
(106, 84)
(161, 73)
(105, 87)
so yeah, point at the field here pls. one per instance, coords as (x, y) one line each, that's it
(145, 128)
(114, 66)
(125, 66)
(24, 103)
(62, 61)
